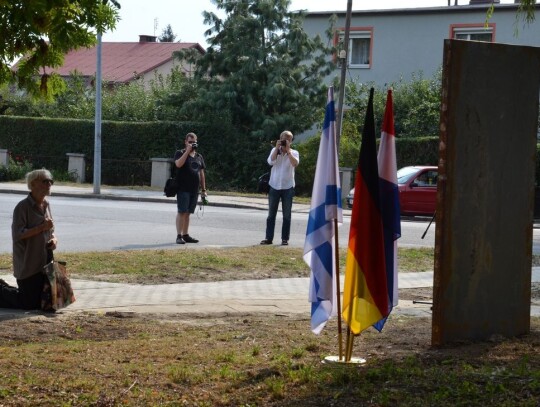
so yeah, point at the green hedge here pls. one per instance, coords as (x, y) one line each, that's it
(120, 140)
(409, 151)
(234, 161)
(417, 151)
(126, 147)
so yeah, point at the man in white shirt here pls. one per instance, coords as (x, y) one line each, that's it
(283, 160)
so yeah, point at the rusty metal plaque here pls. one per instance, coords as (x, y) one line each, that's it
(485, 197)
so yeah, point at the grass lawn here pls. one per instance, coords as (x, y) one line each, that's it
(253, 360)
(169, 266)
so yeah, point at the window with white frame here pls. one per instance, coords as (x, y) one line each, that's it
(473, 33)
(359, 48)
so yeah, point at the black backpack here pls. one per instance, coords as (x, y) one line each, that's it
(263, 186)
(171, 188)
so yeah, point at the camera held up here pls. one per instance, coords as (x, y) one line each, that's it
(283, 143)
(194, 146)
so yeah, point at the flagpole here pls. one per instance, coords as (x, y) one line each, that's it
(344, 56)
(339, 119)
(338, 289)
(350, 342)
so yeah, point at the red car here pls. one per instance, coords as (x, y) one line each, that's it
(417, 190)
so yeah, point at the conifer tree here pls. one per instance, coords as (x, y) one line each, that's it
(262, 68)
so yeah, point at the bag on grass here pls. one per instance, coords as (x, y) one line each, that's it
(170, 188)
(57, 291)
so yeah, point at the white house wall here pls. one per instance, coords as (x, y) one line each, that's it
(165, 69)
(408, 41)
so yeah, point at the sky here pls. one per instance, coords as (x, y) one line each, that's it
(185, 16)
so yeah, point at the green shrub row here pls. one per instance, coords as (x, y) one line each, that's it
(120, 140)
(234, 162)
(126, 147)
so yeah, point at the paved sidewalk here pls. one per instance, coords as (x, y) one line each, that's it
(274, 296)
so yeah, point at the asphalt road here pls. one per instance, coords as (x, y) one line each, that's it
(99, 225)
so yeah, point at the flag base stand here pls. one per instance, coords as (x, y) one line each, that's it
(335, 359)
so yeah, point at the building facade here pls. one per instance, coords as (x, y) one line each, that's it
(388, 45)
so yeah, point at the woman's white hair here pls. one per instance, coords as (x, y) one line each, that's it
(37, 174)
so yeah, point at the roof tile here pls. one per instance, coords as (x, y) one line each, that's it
(120, 60)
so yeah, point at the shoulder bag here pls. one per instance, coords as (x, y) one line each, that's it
(57, 291)
(171, 187)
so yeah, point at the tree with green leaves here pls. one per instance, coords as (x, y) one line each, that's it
(167, 35)
(526, 7)
(417, 105)
(261, 67)
(42, 32)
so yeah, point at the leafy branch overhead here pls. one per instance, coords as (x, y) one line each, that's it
(42, 32)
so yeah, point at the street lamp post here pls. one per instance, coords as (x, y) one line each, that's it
(97, 130)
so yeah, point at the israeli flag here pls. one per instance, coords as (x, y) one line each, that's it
(326, 209)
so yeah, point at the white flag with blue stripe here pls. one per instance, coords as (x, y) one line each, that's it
(326, 208)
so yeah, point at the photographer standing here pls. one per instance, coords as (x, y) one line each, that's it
(189, 175)
(283, 160)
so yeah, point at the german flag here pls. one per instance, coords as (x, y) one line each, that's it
(365, 295)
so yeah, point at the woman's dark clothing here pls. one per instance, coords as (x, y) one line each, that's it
(27, 296)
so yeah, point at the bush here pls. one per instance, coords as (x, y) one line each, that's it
(14, 171)
(64, 175)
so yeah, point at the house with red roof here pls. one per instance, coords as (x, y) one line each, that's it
(123, 62)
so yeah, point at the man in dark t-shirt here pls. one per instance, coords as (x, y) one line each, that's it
(189, 176)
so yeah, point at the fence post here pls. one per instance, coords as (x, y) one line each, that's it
(345, 175)
(76, 166)
(161, 171)
(4, 158)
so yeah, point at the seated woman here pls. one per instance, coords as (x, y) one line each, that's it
(33, 237)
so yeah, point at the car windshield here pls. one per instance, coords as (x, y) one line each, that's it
(405, 174)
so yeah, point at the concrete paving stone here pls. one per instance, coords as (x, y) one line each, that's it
(287, 295)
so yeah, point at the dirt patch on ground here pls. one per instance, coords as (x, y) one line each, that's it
(228, 360)
(36, 327)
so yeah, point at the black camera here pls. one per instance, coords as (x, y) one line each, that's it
(194, 146)
(283, 143)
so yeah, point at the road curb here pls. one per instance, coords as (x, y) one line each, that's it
(113, 197)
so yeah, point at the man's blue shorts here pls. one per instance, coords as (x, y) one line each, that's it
(186, 201)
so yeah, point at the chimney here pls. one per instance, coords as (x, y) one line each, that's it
(147, 38)
(473, 2)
